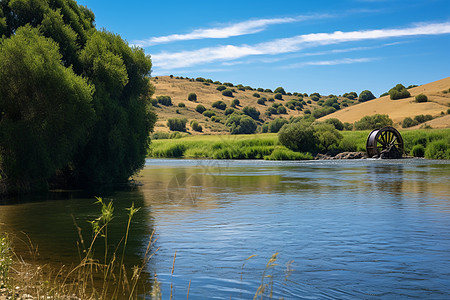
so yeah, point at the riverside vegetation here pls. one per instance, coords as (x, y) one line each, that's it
(74, 101)
(428, 143)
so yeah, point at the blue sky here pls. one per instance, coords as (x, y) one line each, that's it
(330, 47)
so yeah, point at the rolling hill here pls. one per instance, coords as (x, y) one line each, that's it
(349, 110)
(438, 101)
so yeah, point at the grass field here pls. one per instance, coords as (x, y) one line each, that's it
(266, 146)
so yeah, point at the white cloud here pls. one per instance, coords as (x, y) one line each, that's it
(342, 61)
(166, 60)
(241, 28)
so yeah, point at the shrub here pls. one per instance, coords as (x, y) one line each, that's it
(261, 101)
(408, 122)
(315, 94)
(315, 98)
(227, 93)
(327, 137)
(154, 102)
(412, 86)
(384, 94)
(251, 112)
(235, 102)
(423, 118)
(298, 136)
(376, 121)
(219, 105)
(347, 145)
(336, 106)
(228, 84)
(281, 110)
(264, 128)
(221, 88)
(348, 126)
(200, 79)
(280, 90)
(216, 119)
(272, 110)
(164, 100)
(320, 112)
(418, 151)
(278, 96)
(307, 112)
(181, 104)
(209, 113)
(351, 95)
(176, 124)
(399, 92)
(260, 89)
(256, 95)
(268, 91)
(365, 95)
(421, 98)
(438, 150)
(336, 123)
(192, 97)
(330, 101)
(275, 125)
(241, 124)
(200, 108)
(196, 127)
(229, 111)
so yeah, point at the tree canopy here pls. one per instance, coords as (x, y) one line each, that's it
(74, 101)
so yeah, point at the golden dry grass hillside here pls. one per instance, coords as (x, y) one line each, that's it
(438, 94)
(178, 88)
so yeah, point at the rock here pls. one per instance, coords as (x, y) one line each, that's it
(343, 155)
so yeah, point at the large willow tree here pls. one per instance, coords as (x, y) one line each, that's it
(74, 101)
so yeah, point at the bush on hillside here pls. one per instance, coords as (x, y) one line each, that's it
(261, 101)
(209, 113)
(192, 97)
(227, 93)
(365, 95)
(423, 118)
(235, 103)
(421, 98)
(221, 88)
(278, 96)
(200, 108)
(336, 123)
(229, 84)
(280, 90)
(229, 111)
(164, 100)
(241, 124)
(281, 110)
(176, 124)
(376, 121)
(408, 122)
(256, 95)
(251, 112)
(219, 105)
(181, 104)
(399, 92)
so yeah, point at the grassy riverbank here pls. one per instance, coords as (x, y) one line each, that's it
(266, 146)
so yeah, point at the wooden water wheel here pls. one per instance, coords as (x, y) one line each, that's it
(385, 143)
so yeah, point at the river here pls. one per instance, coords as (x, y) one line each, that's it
(366, 229)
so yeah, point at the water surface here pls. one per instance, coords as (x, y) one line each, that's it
(364, 229)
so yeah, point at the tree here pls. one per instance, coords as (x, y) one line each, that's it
(365, 95)
(41, 103)
(278, 96)
(241, 124)
(399, 92)
(299, 136)
(109, 142)
(376, 121)
(276, 124)
(327, 136)
(336, 123)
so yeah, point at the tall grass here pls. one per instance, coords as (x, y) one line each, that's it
(266, 146)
